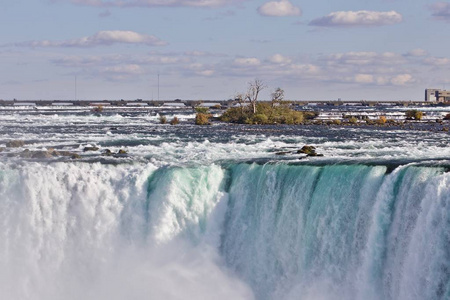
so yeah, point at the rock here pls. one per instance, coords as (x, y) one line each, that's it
(65, 153)
(15, 144)
(121, 153)
(41, 154)
(72, 155)
(1, 149)
(107, 152)
(55, 153)
(90, 149)
(26, 153)
(309, 151)
(282, 153)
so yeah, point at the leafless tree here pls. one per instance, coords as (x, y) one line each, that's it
(277, 96)
(254, 88)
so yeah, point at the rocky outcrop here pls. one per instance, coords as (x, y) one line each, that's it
(69, 154)
(26, 153)
(93, 148)
(283, 152)
(15, 144)
(41, 154)
(107, 152)
(309, 151)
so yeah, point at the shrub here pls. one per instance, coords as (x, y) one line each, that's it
(202, 110)
(162, 119)
(447, 117)
(235, 115)
(381, 120)
(310, 115)
(391, 122)
(266, 114)
(260, 119)
(97, 109)
(174, 121)
(202, 119)
(336, 122)
(353, 120)
(298, 117)
(413, 114)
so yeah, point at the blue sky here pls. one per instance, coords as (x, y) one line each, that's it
(211, 49)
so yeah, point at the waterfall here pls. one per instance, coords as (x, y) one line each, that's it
(339, 232)
(231, 231)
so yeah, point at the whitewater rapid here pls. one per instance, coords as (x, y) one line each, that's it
(80, 230)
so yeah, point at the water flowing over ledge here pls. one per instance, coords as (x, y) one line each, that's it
(243, 231)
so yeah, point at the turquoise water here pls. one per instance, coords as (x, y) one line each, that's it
(73, 230)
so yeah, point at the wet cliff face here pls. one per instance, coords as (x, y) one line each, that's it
(272, 231)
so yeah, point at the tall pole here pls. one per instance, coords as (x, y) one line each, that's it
(75, 87)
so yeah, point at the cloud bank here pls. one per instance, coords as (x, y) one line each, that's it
(358, 18)
(154, 3)
(280, 8)
(101, 38)
(355, 68)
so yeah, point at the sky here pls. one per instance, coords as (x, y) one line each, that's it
(212, 49)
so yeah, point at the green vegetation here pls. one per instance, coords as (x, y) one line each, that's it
(353, 120)
(266, 113)
(413, 114)
(202, 110)
(202, 119)
(336, 122)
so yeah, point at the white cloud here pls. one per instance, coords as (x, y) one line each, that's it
(358, 18)
(246, 62)
(279, 59)
(417, 53)
(441, 10)
(155, 3)
(397, 80)
(364, 78)
(402, 79)
(101, 38)
(280, 8)
(200, 70)
(304, 69)
(124, 69)
(437, 61)
(364, 58)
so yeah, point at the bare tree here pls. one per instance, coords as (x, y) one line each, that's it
(277, 96)
(254, 88)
